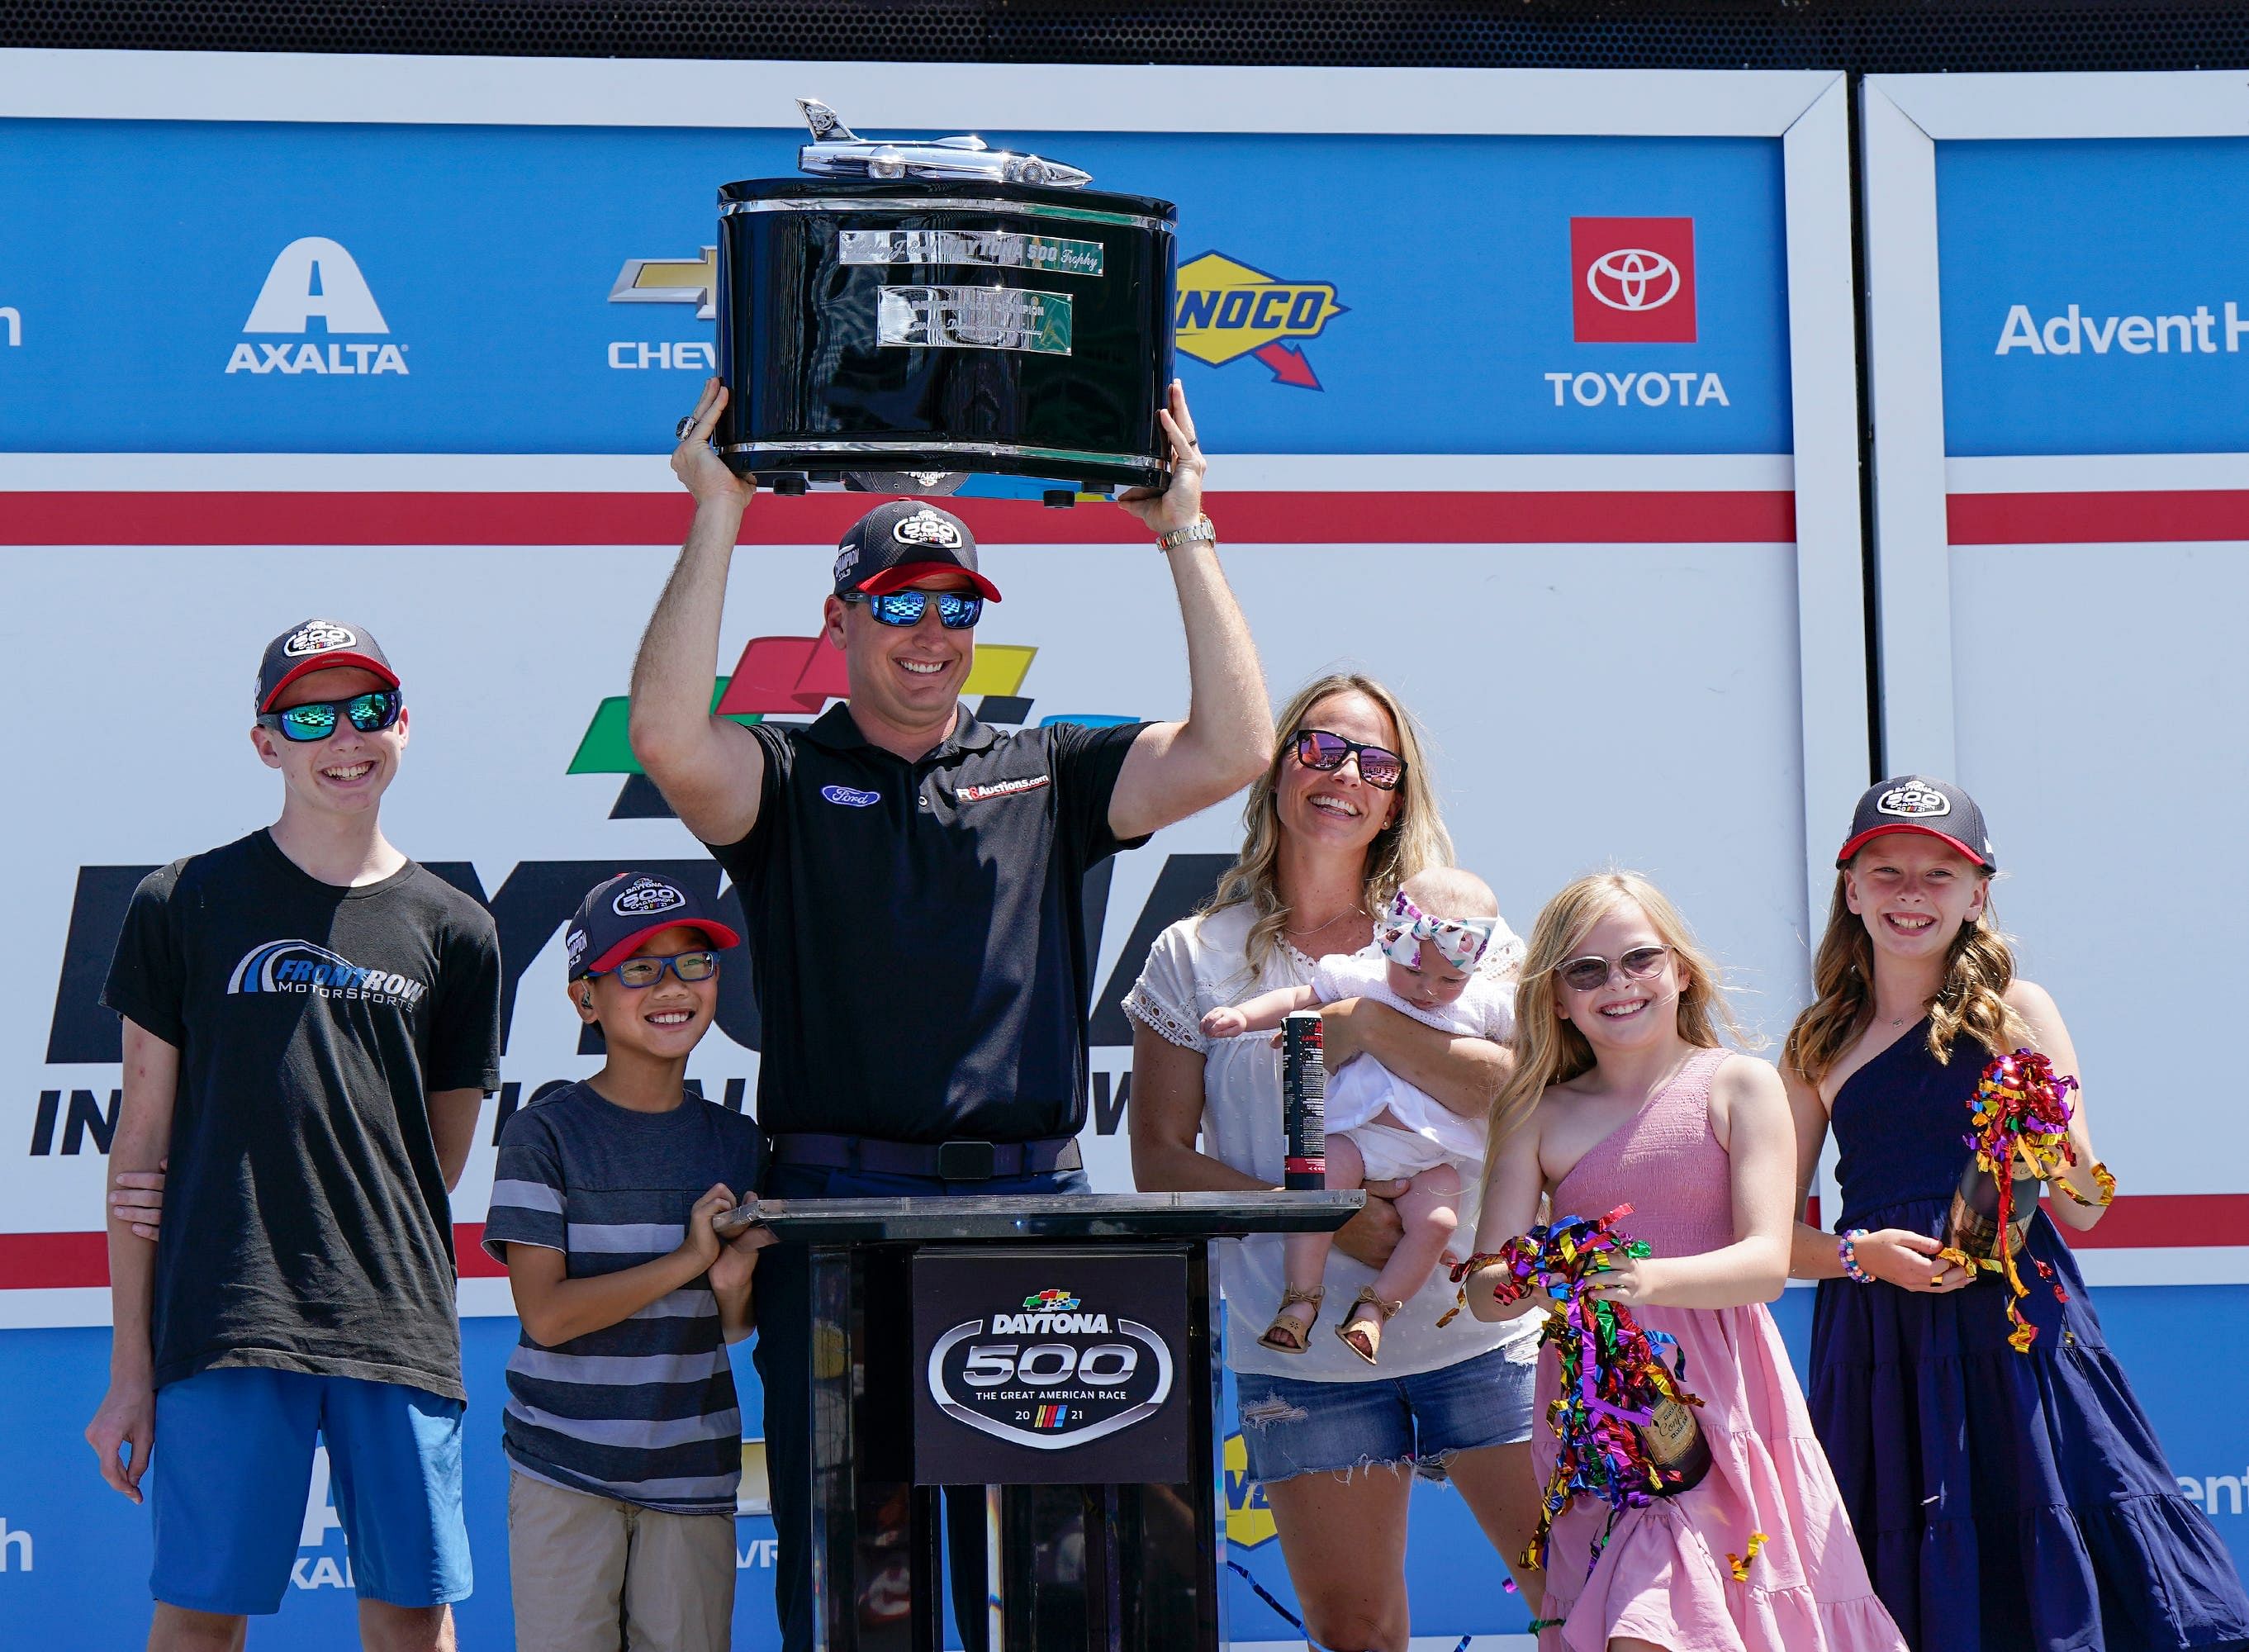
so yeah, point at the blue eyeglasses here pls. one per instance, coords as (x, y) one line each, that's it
(317, 719)
(956, 610)
(637, 973)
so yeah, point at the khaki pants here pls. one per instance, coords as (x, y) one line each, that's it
(592, 1575)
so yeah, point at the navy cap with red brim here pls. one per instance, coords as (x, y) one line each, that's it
(619, 913)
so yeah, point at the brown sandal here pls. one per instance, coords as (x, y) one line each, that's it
(1286, 1333)
(1354, 1328)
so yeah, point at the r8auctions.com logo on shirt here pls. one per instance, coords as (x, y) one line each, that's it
(1049, 1372)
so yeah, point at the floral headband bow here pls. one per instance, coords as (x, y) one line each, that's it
(1458, 941)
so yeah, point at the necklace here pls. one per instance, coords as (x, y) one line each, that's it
(1297, 937)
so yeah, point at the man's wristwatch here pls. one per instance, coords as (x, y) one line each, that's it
(1198, 532)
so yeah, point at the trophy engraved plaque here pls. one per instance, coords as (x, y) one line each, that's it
(914, 311)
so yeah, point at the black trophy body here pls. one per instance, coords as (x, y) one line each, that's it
(911, 327)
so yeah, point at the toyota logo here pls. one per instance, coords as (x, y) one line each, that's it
(1632, 279)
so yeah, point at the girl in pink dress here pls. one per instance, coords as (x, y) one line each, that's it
(1622, 1095)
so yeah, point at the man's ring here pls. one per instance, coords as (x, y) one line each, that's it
(679, 431)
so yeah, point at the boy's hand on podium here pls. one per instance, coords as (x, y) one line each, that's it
(702, 1241)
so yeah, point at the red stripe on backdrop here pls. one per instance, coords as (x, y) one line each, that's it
(1741, 516)
(2148, 517)
(53, 1261)
(33, 1260)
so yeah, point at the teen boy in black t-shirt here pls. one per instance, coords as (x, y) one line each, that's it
(311, 1022)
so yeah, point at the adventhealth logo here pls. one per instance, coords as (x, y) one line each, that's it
(313, 277)
(2072, 332)
(301, 966)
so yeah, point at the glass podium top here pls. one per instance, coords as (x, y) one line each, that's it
(1126, 1215)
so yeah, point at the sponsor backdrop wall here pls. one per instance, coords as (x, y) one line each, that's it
(1532, 393)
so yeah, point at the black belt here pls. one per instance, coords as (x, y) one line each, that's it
(943, 1160)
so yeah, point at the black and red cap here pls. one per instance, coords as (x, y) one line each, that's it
(1915, 803)
(621, 912)
(894, 545)
(317, 645)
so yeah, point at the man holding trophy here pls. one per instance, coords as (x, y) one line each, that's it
(912, 877)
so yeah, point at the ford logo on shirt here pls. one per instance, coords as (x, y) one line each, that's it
(850, 796)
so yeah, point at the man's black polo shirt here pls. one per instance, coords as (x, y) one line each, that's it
(916, 930)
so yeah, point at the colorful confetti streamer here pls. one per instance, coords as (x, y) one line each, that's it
(1613, 1378)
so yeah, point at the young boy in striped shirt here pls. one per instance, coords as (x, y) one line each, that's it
(622, 1428)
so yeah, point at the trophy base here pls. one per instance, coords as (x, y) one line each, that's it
(935, 468)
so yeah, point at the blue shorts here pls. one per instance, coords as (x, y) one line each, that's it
(1291, 1426)
(233, 1468)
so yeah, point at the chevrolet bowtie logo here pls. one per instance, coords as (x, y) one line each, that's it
(670, 281)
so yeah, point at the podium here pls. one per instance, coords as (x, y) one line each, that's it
(1055, 1358)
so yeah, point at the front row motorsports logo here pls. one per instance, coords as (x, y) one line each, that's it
(1224, 310)
(1049, 1376)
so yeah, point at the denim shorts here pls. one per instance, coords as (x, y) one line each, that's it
(1291, 1426)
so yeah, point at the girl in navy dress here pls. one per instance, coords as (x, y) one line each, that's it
(2005, 1501)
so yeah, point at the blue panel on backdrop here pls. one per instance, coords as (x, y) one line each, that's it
(214, 287)
(2094, 295)
(75, 1556)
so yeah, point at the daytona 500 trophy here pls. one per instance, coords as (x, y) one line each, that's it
(919, 310)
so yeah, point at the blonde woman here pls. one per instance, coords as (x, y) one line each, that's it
(2005, 1502)
(1344, 814)
(1622, 1094)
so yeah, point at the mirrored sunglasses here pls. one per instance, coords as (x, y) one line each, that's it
(317, 719)
(1592, 973)
(1316, 748)
(956, 610)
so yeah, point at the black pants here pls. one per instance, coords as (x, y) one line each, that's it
(783, 1299)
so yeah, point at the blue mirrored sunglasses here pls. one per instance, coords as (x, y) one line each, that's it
(317, 719)
(956, 610)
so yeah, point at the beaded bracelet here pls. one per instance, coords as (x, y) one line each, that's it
(1848, 1248)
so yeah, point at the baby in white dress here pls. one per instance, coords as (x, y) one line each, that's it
(1379, 1127)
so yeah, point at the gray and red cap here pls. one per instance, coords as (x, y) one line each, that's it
(1915, 803)
(621, 912)
(894, 545)
(317, 645)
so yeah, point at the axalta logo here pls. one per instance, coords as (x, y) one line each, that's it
(1632, 281)
(317, 277)
(668, 282)
(1224, 310)
(303, 967)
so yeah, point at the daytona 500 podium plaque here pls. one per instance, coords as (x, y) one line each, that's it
(918, 311)
(1053, 1359)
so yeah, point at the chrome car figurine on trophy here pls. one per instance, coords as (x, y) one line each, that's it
(919, 310)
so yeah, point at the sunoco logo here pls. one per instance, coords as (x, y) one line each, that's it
(1224, 310)
(1051, 1373)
